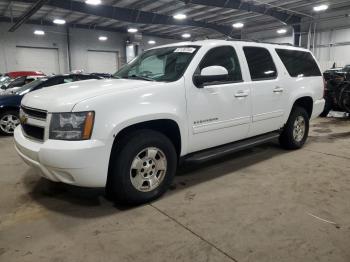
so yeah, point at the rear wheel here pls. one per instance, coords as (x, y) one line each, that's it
(142, 167)
(327, 108)
(9, 120)
(296, 130)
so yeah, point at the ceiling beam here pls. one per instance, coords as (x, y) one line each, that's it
(89, 27)
(28, 14)
(250, 7)
(132, 16)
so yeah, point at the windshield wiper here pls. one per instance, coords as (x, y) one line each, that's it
(141, 77)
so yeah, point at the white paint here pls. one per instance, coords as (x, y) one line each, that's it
(119, 103)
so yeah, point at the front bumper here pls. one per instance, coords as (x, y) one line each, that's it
(80, 163)
(318, 108)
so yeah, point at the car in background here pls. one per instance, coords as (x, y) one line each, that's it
(16, 74)
(4, 81)
(330, 73)
(18, 82)
(10, 100)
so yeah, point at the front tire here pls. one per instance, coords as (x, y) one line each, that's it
(142, 167)
(296, 130)
(9, 120)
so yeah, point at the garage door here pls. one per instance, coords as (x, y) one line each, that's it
(102, 62)
(37, 59)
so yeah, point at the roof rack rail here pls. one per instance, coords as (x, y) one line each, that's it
(259, 41)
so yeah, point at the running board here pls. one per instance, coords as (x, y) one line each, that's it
(226, 149)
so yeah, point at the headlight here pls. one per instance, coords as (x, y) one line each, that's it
(71, 126)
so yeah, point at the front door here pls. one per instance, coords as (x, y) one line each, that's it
(219, 112)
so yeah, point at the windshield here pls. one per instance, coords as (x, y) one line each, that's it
(162, 64)
(28, 87)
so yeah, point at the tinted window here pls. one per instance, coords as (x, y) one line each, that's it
(260, 63)
(299, 63)
(224, 56)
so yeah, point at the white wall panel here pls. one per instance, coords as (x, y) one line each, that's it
(38, 59)
(102, 62)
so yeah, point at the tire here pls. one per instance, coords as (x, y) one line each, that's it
(8, 122)
(295, 133)
(130, 181)
(327, 108)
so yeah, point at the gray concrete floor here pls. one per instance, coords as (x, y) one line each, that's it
(263, 204)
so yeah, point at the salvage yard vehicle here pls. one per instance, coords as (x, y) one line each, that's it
(10, 100)
(189, 101)
(337, 94)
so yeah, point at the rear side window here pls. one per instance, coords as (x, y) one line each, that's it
(226, 57)
(299, 63)
(260, 63)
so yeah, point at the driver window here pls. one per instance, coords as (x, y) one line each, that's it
(226, 57)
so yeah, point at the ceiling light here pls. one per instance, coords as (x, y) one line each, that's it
(151, 42)
(39, 32)
(59, 21)
(180, 16)
(93, 2)
(186, 35)
(281, 31)
(132, 30)
(238, 25)
(320, 8)
(103, 38)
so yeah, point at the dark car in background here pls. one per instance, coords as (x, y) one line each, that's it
(337, 91)
(10, 101)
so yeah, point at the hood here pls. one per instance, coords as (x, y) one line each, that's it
(62, 98)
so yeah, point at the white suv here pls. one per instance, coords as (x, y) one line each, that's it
(188, 101)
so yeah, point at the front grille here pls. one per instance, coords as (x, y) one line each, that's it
(35, 113)
(34, 131)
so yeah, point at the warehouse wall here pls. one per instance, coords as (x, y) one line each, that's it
(81, 42)
(54, 38)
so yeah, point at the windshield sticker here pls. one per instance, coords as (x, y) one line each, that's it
(185, 50)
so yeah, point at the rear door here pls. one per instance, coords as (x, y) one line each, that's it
(269, 95)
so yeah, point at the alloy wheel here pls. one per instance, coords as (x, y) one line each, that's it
(8, 123)
(299, 129)
(148, 169)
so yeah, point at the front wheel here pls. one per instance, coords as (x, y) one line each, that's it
(9, 120)
(142, 168)
(296, 130)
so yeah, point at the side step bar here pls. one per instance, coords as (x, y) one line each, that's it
(216, 152)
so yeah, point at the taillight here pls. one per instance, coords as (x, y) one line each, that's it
(324, 87)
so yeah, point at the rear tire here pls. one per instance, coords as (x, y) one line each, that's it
(296, 130)
(142, 167)
(9, 120)
(327, 108)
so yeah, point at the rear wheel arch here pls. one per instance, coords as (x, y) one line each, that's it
(305, 102)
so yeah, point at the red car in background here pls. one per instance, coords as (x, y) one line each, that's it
(16, 74)
(18, 79)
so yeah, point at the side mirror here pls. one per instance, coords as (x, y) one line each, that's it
(210, 74)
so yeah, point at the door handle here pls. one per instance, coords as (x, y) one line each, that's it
(278, 89)
(241, 94)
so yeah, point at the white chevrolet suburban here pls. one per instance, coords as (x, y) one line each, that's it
(188, 101)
